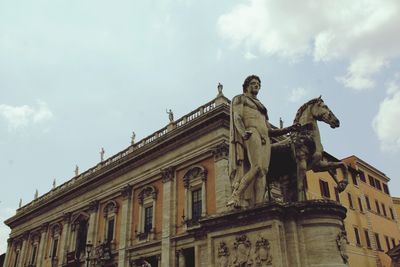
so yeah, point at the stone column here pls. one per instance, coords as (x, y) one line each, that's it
(92, 229)
(24, 248)
(8, 252)
(168, 179)
(203, 195)
(42, 244)
(222, 181)
(126, 225)
(64, 240)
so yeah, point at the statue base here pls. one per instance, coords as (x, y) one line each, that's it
(274, 234)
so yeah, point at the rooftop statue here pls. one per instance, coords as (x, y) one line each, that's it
(250, 145)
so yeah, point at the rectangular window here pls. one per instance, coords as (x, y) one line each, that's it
(148, 219)
(378, 242)
(391, 213)
(367, 202)
(196, 204)
(354, 178)
(357, 235)
(384, 210)
(378, 184)
(337, 195)
(367, 238)
(34, 250)
(54, 250)
(362, 176)
(387, 243)
(378, 208)
(371, 180)
(324, 189)
(360, 204)
(350, 201)
(110, 229)
(385, 188)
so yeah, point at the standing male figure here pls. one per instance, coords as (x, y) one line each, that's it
(250, 145)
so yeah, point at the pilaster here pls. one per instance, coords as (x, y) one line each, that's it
(92, 210)
(222, 181)
(64, 244)
(42, 244)
(126, 225)
(24, 248)
(8, 252)
(168, 178)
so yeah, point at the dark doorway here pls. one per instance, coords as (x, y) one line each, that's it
(189, 257)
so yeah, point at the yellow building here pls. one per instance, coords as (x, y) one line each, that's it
(144, 204)
(371, 223)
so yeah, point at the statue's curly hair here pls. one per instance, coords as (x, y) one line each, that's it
(247, 81)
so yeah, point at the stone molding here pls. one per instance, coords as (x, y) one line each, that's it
(194, 172)
(110, 208)
(44, 227)
(93, 206)
(147, 192)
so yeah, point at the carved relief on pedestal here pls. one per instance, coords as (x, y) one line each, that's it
(341, 241)
(223, 255)
(262, 252)
(242, 248)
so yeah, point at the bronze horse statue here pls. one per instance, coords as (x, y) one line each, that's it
(305, 150)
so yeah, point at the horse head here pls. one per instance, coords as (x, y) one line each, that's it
(321, 112)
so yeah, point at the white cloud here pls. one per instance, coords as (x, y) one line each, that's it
(360, 31)
(249, 56)
(22, 116)
(385, 123)
(297, 94)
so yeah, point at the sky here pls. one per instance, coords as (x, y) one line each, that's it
(76, 76)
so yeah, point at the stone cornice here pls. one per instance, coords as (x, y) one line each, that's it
(190, 128)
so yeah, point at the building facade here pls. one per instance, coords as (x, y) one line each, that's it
(142, 206)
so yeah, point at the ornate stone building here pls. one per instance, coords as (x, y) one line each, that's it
(162, 202)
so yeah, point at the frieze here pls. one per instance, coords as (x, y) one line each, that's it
(223, 255)
(242, 248)
(263, 255)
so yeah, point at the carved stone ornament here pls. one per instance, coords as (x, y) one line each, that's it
(67, 217)
(110, 208)
(193, 173)
(223, 255)
(55, 229)
(242, 248)
(44, 227)
(93, 206)
(341, 241)
(168, 174)
(148, 191)
(126, 191)
(262, 252)
(221, 151)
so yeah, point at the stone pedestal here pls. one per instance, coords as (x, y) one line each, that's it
(303, 234)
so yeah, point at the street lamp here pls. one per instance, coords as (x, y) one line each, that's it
(89, 247)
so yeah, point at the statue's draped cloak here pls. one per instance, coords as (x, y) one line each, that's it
(236, 144)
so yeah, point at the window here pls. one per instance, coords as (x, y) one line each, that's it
(378, 242)
(350, 201)
(354, 177)
(324, 189)
(387, 242)
(194, 182)
(337, 194)
(196, 204)
(367, 238)
(391, 213)
(147, 209)
(367, 202)
(54, 250)
(378, 209)
(385, 188)
(371, 180)
(362, 176)
(55, 231)
(360, 204)
(35, 238)
(357, 235)
(79, 228)
(384, 210)
(110, 214)
(378, 184)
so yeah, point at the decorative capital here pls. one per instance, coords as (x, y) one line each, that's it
(67, 217)
(126, 191)
(25, 235)
(221, 151)
(9, 241)
(168, 174)
(93, 206)
(44, 227)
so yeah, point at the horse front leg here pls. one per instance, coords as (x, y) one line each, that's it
(330, 167)
(301, 176)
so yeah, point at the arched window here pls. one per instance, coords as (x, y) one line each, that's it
(194, 182)
(55, 231)
(147, 210)
(34, 247)
(110, 214)
(80, 228)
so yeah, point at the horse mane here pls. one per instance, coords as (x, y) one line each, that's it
(304, 106)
